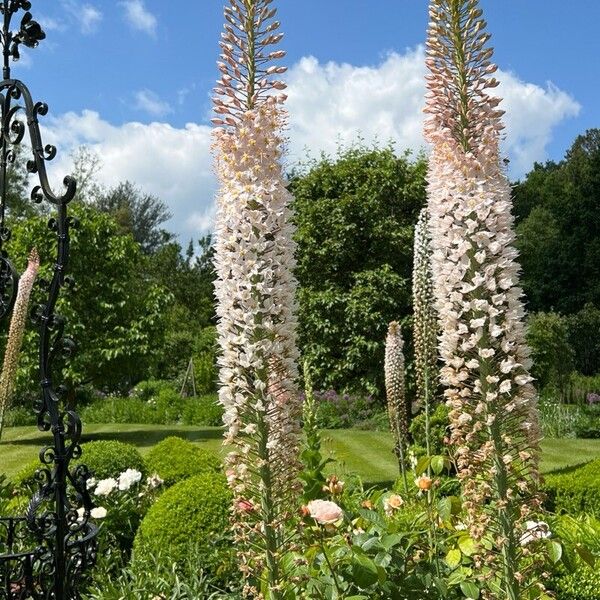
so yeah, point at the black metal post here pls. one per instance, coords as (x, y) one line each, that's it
(44, 553)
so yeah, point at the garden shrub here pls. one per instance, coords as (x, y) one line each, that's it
(149, 390)
(175, 459)
(582, 584)
(193, 514)
(165, 408)
(342, 411)
(25, 481)
(107, 458)
(575, 490)
(204, 411)
(438, 430)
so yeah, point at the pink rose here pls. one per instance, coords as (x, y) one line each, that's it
(324, 512)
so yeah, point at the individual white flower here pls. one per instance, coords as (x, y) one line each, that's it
(129, 478)
(106, 486)
(535, 530)
(99, 512)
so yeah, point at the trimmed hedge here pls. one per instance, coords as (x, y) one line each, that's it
(109, 459)
(175, 459)
(193, 514)
(582, 584)
(575, 491)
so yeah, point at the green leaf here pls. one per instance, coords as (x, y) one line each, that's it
(453, 558)
(437, 464)
(585, 555)
(391, 540)
(470, 590)
(467, 545)
(555, 550)
(422, 465)
(364, 571)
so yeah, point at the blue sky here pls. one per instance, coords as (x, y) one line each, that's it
(131, 79)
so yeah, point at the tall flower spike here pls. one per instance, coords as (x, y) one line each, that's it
(425, 317)
(396, 395)
(255, 292)
(15, 334)
(493, 415)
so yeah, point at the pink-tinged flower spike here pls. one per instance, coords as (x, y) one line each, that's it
(425, 327)
(395, 389)
(15, 334)
(494, 417)
(255, 292)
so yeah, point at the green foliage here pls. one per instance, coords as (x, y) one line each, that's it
(574, 491)
(153, 577)
(108, 458)
(313, 463)
(137, 214)
(192, 514)
(355, 218)
(115, 313)
(190, 279)
(438, 430)
(584, 337)
(346, 411)
(164, 407)
(175, 459)
(582, 584)
(559, 231)
(548, 338)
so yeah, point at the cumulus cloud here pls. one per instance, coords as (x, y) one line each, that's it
(172, 163)
(328, 104)
(150, 102)
(139, 17)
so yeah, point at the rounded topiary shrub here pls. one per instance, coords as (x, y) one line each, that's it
(582, 584)
(574, 491)
(175, 459)
(109, 459)
(191, 516)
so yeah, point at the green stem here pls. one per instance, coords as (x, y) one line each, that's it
(329, 565)
(432, 533)
(267, 511)
(251, 56)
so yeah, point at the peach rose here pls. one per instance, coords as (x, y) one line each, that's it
(424, 483)
(324, 512)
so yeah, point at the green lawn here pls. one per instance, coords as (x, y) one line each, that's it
(367, 453)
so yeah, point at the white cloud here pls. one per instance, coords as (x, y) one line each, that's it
(174, 164)
(150, 102)
(328, 103)
(331, 103)
(139, 17)
(86, 16)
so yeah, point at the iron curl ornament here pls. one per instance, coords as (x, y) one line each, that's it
(44, 553)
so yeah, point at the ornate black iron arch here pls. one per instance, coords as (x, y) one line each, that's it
(43, 553)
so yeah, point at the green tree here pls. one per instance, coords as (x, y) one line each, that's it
(137, 213)
(559, 229)
(115, 313)
(584, 337)
(355, 215)
(553, 357)
(190, 280)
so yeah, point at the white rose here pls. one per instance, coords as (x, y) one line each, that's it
(128, 478)
(105, 487)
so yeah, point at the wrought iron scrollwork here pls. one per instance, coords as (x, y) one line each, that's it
(43, 553)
